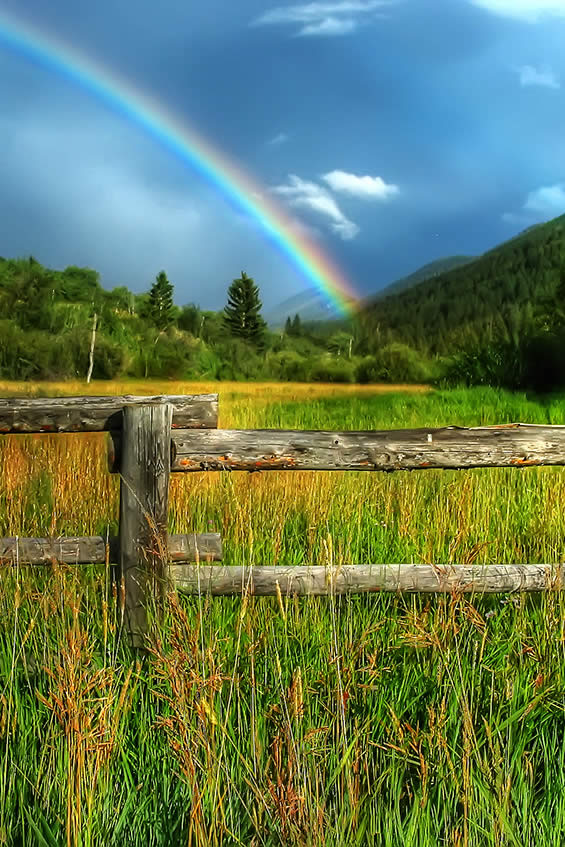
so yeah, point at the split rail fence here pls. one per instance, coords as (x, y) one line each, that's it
(150, 437)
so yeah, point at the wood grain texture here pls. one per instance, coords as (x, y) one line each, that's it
(359, 579)
(98, 414)
(42, 551)
(508, 445)
(91, 550)
(144, 500)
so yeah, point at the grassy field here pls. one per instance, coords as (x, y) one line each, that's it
(386, 720)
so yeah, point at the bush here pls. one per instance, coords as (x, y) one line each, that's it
(396, 362)
(329, 370)
(162, 357)
(497, 364)
(288, 365)
(239, 360)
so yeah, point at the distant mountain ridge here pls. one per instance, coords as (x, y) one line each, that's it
(312, 305)
(431, 269)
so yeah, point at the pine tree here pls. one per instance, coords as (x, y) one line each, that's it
(161, 308)
(288, 326)
(296, 326)
(242, 314)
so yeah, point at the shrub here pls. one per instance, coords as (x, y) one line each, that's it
(497, 364)
(396, 362)
(288, 365)
(329, 370)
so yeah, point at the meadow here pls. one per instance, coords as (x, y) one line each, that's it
(355, 720)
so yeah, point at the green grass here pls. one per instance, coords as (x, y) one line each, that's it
(393, 720)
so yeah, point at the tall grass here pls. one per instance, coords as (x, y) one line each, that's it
(393, 720)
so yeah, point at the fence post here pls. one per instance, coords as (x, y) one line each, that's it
(144, 500)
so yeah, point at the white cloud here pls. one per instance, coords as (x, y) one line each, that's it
(532, 76)
(544, 203)
(528, 10)
(340, 17)
(373, 187)
(548, 200)
(330, 26)
(278, 139)
(301, 193)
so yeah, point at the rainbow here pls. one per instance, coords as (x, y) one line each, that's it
(215, 167)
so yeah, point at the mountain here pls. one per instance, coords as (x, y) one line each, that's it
(432, 269)
(311, 305)
(496, 295)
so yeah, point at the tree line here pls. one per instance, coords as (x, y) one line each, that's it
(498, 320)
(64, 324)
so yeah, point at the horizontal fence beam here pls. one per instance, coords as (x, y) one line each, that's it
(99, 414)
(92, 550)
(361, 579)
(508, 445)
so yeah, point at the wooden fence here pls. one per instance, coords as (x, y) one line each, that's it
(150, 437)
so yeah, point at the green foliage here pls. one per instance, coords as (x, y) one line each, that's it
(327, 369)
(396, 362)
(161, 309)
(191, 319)
(242, 314)
(288, 366)
(341, 343)
(293, 326)
(498, 320)
(491, 319)
(496, 363)
(239, 360)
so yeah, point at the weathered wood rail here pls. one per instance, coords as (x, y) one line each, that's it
(96, 550)
(99, 414)
(362, 579)
(150, 437)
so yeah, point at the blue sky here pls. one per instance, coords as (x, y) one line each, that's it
(394, 131)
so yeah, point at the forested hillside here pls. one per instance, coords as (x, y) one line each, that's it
(432, 269)
(498, 318)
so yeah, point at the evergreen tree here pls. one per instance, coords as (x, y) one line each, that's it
(242, 314)
(288, 326)
(296, 326)
(161, 310)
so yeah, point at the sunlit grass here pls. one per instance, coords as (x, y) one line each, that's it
(357, 720)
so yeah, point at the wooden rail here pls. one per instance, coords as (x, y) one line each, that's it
(510, 445)
(360, 579)
(96, 550)
(98, 414)
(149, 437)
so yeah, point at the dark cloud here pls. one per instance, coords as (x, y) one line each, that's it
(427, 98)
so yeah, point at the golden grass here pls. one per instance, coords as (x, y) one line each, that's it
(300, 721)
(259, 392)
